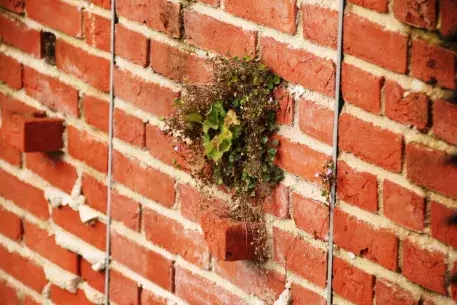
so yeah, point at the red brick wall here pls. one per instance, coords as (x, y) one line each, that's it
(394, 191)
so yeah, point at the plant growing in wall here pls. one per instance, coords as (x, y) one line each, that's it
(228, 127)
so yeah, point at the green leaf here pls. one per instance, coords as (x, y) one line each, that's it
(277, 80)
(194, 117)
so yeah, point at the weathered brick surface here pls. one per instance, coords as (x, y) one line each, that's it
(18, 35)
(417, 13)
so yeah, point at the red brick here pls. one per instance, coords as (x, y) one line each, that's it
(211, 34)
(427, 168)
(173, 237)
(311, 216)
(361, 88)
(125, 210)
(441, 230)
(51, 168)
(150, 97)
(10, 72)
(453, 285)
(51, 92)
(300, 257)
(68, 219)
(97, 31)
(96, 279)
(448, 14)
(131, 46)
(10, 225)
(22, 269)
(96, 112)
(320, 25)
(123, 290)
(13, 106)
(86, 148)
(91, 69)
(57, 15)
(390, 294)
(357, 188)
(403, 206)
(277, 203)
(280, 15)
(147, 181)
(63, 297)
(432, 63)
(179, 65)
(149, 298)
(18, 35)
(382, 47)
(40, 241)
(252, 279)
(417, 13)
(95, 193)
(9, 153)
(316, 121)
(377, 5)
(312, 72)
(23, 194)
(426, 268)
(299, 159)
(352, 283)
(103, 3)
(8, 295)
(145, 262)
(199, 291)
(360, 238)
(16, 6)
(444, 122)
(29, 301)
(303, 296)
(286, 111)
(371, 143)
(161, 15)
(129, 128)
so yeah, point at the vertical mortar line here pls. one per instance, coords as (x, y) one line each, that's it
(110, 152)
(338, 107)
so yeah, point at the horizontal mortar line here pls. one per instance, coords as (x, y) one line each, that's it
(300, 93)
(22, 288)
(146, 117)
(92, 294)
(338, 300)
(303, 187)
(297, 136)
(89, 7)
(11, 206)
(331, 4)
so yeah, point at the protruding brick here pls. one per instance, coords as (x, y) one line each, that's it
(10, 225)
(16, 6)
(418, 13)
(448, 14)
(380, 6)
(97, 31)
(311, 216)
(444, 122)
(441, 229)
(316, 121)
(123, 290)
(320, 25)
(132, 46)
(18, 35)
(388, 293)
(10, 72)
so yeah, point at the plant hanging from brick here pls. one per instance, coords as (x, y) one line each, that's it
(228, 127)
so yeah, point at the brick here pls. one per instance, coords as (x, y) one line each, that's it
(68, 219)
(277, 203)
(18, 35)
(320, 25)
(311, 216)
(129, 128)
(29, 301)
(150, 97)
(150, 298)
(423, 267)
(57, 15)
(97, 31)
(123, 290)
(125, 210)
(179, 65)
(22, 269)
(316, 121)
(300, 257)
(63, 297)
(199, 291)
(173, 237)
(53, 169)
(371, 143)
(453, 285)
(143, 261)
(444, 123)
(211, 34)
(95, 279)
(86, 148)
(23, 194)
(94, 192)
(352, 283)
(9, 153)
(280, 15)
(312, 72)
(16, 6)
(40, 241)
(357, 188)
(252, 279)
(377, 5)
(427, 168)
(103, 3)
(51, 92)
(132, 46)
(403, 206)
(8, 295)
(360, 238)
(10, 72)
(286, 111)
(432, 63)
(417, 13)
(361, 88)
(299, 159)
(147, 181)
(91, 69)
(382, 47)
(10, 225)
(96, 112)
(303, 296)
(388, 293)
(448, 14)
(161, 15)
(441, 229)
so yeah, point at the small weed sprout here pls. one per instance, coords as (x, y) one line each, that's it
(327, 177)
